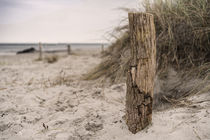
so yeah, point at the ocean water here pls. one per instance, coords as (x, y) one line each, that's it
(14, 48)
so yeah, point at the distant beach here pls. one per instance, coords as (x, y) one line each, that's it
(13, 48)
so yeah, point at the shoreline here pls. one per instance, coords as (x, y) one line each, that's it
(52, 51)
(11, 49)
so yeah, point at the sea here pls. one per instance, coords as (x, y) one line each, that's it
(13, 48)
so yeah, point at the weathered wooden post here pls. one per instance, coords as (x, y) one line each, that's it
(40, 51)
(69, 49)
(141, 74)
(102, 48)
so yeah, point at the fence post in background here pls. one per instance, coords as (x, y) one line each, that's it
(69, 49)
(102, 48)
(40, 51)
(141, 74)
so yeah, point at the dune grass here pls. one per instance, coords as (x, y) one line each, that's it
(183, 32)
(183, 43)
(183, 38)
(115, 62)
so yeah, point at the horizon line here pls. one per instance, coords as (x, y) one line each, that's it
(53, 43)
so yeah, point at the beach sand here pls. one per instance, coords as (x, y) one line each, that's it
(42, 101)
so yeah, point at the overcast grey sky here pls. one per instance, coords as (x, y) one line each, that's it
(60, 20)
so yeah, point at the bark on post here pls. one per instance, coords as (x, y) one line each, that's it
(40, 51)
(141, 74)
(69, 49)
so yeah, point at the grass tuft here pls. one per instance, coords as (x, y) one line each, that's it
(51, 58)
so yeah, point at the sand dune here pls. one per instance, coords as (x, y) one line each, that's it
(44, 101)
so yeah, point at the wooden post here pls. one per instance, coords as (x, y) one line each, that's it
(69, 49)
(102, 48)
(40, 51)
(141, 74)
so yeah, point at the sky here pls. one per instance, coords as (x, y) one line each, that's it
(54, 21)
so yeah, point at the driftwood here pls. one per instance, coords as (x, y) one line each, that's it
(29, 50)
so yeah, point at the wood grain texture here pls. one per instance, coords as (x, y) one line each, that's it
(140, 77)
